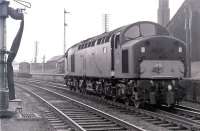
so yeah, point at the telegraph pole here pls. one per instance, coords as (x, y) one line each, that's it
(43, 64)
(188, 26)
(106, 25)
(64, 49)
(36, 52)
(4, 96)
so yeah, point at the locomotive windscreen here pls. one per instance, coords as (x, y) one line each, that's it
(143, 29)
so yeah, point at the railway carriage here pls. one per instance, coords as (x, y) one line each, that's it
(138, 64)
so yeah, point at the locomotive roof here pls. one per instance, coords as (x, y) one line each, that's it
(121, 30)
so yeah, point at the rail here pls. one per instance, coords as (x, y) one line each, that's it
(123, 125)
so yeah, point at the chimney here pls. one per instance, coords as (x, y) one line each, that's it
(163, 12)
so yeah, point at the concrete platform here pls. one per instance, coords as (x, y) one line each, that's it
(26, 115)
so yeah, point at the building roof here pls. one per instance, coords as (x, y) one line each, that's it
(55, 58)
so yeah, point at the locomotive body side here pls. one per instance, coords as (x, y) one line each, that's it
(89, 62)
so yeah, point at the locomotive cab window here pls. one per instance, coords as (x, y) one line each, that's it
(147, 29)
(132, 33)
(125, 67)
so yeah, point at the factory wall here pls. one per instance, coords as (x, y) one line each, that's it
(177, 26)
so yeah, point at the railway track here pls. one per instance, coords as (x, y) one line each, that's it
(187, 108)
(176, 120)
(77, 115)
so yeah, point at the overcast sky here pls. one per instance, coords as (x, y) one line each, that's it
(44, 22)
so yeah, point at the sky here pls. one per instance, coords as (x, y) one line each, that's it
(44, 22)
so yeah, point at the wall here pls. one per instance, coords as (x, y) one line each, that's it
(177, 26)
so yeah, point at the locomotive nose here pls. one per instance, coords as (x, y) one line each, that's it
(161, 48)
(161, 57)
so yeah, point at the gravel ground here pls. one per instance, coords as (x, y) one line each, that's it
(30, 105)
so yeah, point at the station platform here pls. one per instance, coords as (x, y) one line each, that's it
(27, 115)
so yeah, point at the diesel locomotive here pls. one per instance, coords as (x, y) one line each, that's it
(137, 64)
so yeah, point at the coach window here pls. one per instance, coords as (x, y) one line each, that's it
(132, 33)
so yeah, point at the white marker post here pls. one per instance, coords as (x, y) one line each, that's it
(4, 94)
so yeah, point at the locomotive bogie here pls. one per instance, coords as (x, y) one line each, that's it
(132, 92)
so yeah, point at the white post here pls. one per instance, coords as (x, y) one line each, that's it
(4, 98)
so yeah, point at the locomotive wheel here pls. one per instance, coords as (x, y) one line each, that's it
(137, 104)
(126, 102)
(114, 99)
(103, 97)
